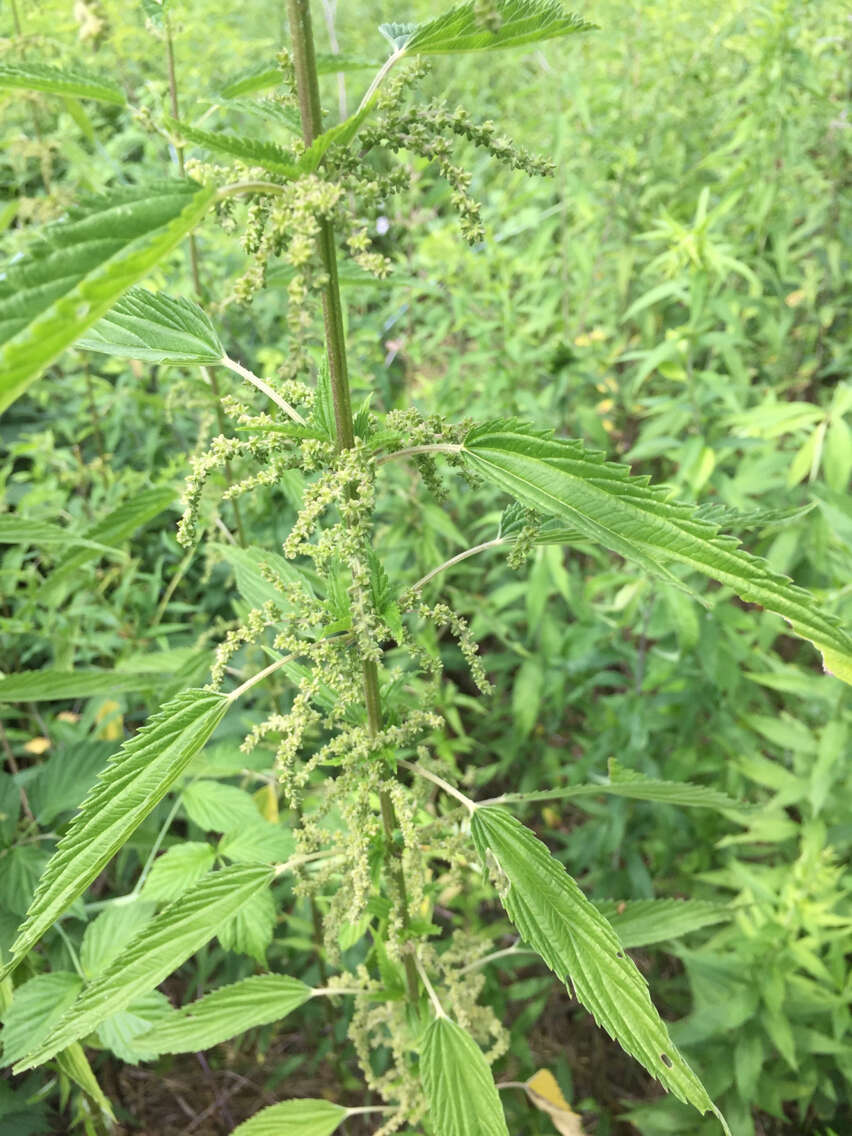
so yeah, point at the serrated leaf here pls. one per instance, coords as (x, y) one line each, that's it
(110, 932)
(133, 782)
(37, 1005)
(76, 83)
(398, 34)
(79, 267)
(638, 521)
(250, 931)
(575, 941)
(216, 807)
(155, 328)
(159, 948)
(258, 843)
(641, 922)
(636, 786)
(178, 869)
(517, 22)
(226, 1012)
(252, 151)
(51, 686)
(121, 1030)
(339, 135)
(294, 1118)
(463, 1098)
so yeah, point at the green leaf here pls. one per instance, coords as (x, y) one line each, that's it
(19, 530)
(641, 523)
(628, 783)
(264, 77)
(339, 135)
(75, 1065)
(226, 1012)
(252, 151)
(294, 1118)
(178, 869)
(51, 686)
(463, 1098)
(59, 81)
(108, 934)
(518, 22)
(122, 1031)
(155, 328)
(554, 917)
(79, 267)
(218, 808)
(251, 930)
(249, 565)
(113, 529)
(641, 922)
(259, 843)
(37, 1005)
(159, 948)
(133, 782)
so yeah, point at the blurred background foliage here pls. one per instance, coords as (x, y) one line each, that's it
(677, 296)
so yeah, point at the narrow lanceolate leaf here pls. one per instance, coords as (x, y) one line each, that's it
(59, 81)
(159, 948)
(252, 151)
(20, 530)
(637, 520)
(133, 782)
(463, 1099)
(155, 328)
(641, 922)
(113, 529)
(628, 783)
(294, 1118)
(516, 22)
(52, 686)
(79, 267)
(226, 1012)
(554, 917)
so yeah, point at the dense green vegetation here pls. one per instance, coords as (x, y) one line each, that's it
(674, 296)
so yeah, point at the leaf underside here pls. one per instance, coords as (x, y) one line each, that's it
(294, 1118)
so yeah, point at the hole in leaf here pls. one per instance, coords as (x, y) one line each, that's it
(619, 954)
(666, 1060)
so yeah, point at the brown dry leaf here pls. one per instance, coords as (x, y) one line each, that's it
(37, 745)
(544, 1092)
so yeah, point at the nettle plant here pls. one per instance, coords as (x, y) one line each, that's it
(388, 824)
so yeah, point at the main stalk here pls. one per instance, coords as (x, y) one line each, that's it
(307, 89)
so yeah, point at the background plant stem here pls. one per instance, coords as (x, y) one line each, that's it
(307, 88)
(196, 274)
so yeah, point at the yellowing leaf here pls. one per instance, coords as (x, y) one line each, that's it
(544, 1092)
(266, 800)
(67, 716)
(37, 745)
(112, 729)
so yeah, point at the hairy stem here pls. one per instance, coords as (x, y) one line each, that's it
(307, 87)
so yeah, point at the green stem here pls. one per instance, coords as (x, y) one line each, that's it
(196, 273)
(307, 88)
